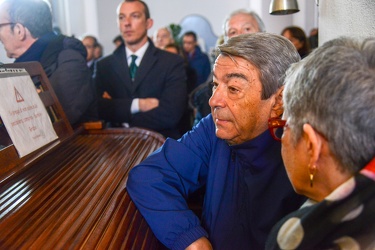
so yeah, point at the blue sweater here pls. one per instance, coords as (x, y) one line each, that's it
(247, 189)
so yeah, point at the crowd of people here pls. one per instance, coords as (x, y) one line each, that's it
(197, 65)
(276, 136)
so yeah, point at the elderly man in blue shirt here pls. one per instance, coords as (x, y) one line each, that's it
(230, 152)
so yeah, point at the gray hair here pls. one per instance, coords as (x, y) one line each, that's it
(271, 54)
(261, 26)
(35, 15)
(167, 28)
(333, 89)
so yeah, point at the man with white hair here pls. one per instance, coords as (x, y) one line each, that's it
(237, 23)
(242, 22)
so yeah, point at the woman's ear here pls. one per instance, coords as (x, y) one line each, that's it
(313, 143)
(278, 107)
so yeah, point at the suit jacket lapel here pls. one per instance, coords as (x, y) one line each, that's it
(148, 60)
(121, 67)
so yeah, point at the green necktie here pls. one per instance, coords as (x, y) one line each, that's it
(133, 67)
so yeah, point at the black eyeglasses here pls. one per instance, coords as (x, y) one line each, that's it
(276, 127)
(4, 24)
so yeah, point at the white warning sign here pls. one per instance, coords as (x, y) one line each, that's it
(23, 112)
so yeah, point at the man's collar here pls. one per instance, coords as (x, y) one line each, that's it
(139, 53)
(89, 63)
(259, 152)
(35, 52)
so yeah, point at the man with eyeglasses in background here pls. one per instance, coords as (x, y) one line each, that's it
(27, 35)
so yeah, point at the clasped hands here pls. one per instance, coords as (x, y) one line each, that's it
(145, 104)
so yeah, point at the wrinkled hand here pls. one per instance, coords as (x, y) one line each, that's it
(106, 95)
(146, 104)
(200, 244)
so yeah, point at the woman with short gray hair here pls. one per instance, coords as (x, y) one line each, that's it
(328, 148)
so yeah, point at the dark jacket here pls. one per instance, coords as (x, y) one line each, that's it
(160, 75)
(200, 62)
(64, 61)
(199, 99)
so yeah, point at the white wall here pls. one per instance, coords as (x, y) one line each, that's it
(346, 18)
(306, 18)
(81, 18)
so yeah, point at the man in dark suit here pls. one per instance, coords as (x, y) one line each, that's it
(155, 96)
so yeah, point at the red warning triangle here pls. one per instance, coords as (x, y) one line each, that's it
(19, 98)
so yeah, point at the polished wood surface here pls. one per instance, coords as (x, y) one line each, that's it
(71, 193)
(75, 196)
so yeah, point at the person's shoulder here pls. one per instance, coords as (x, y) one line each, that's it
(198, 51)
(72, 43)
(207, 124)
(69, 40)
(200, 55)
(62, 49)
(105, 59)
(204, 56)
(167, 56)
(118, 54)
